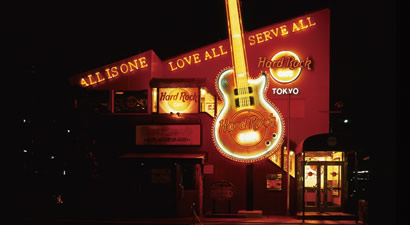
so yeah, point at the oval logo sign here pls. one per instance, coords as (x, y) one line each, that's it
(286, 66)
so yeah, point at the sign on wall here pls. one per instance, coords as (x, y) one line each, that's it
(274, 182)
(182, 100)
(168, 134)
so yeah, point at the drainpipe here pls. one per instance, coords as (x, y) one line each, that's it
(288, 165)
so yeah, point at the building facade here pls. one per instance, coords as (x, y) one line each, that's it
(150, 123)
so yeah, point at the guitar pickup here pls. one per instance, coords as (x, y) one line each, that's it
(251, 100)
(237, 102)
(236, 92)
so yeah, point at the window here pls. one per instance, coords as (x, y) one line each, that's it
(154, 100)
(276, 157)
(131, 101)
(291, 161)
(207, 102)
(324, 156)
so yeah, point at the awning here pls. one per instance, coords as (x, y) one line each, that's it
(325, 142)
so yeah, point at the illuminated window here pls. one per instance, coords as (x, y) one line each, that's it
(154, 98)
(276, 157)
(324, 156)
(291, 162)
(207, 102)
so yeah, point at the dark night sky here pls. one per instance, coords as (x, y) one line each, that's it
(61, 40)
(64, 39)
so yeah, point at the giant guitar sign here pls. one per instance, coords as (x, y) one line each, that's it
(248, 128)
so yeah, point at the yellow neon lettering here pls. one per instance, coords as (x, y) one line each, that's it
(99, 77)
(275, 33)
(259, 38)
(196, 58)
(214, 54)
(180, 63)
(222, 51)
(114, 71)
(172, 68)
(124, 70)
(90, 76)
(283, 30)
(267, 35)
(251, 40)
(133, 65)
(302, 25)
(143, 62)
(108, 73)
(295, 27)
(188, 60)
(207, 56)
(310, 23)
(84, 83)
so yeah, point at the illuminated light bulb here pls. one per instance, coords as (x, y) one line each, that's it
(203, 91)
(248, 137)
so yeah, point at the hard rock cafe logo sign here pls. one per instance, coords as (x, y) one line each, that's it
(247, 127)
(285, 66)
(183, 100)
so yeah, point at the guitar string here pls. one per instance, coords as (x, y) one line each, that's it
(243, 89)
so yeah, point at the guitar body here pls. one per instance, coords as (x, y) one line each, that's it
(248, 126)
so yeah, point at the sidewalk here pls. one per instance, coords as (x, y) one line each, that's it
(286, 220)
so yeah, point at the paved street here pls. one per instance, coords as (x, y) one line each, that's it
(175, 221)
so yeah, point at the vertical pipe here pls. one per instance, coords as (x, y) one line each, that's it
(356, 184)
(112, 101)
(303, 191)
(288, 165)
(249, 187)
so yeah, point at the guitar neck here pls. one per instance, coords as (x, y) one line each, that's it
(237, 43)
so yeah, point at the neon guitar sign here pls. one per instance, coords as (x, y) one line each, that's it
(248, 128)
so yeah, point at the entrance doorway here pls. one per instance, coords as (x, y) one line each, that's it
(322, 183)
(323, 186)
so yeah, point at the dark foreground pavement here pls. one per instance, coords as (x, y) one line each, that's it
(185, 221)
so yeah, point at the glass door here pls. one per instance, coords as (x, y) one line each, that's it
(333, 178)
(312, 184)
(323, 186)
